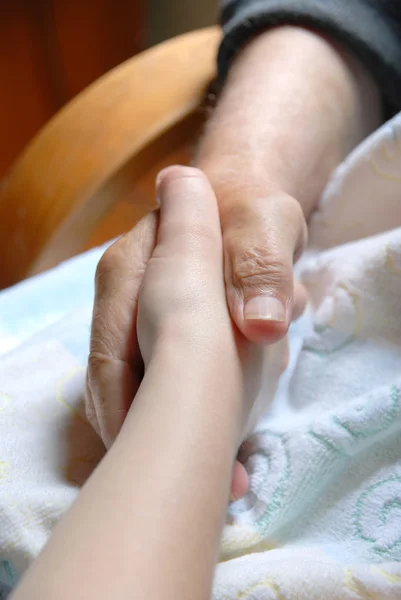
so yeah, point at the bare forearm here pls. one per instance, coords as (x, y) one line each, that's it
(134, 530)
(292, 107)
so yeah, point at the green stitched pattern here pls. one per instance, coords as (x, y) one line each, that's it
(383, 538)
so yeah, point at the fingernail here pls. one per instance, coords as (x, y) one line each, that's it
(264, 308)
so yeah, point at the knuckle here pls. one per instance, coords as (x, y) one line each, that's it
(97, 375)
(108, 264)
(289, 205)
(93, 364)
(258, 267)
(263, 241)
(127, 258)
(95, 368)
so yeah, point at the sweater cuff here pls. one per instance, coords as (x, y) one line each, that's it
(358, 25)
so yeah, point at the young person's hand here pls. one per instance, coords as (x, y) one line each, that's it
(182, 296)
(160, 494)
(182, 304)
(174, 262)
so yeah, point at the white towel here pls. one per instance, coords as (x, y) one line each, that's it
(322, 519)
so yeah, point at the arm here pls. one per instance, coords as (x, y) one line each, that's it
(292, 106)
(285, 123)
(140, 523)
(303, 84)
(368, 29)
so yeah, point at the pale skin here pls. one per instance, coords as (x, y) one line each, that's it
(154, 508)
(294, 104)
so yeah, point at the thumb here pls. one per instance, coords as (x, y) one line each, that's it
(261, 241)
(183, 288)
(188, 212)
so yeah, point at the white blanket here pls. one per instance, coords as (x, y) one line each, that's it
(322, 519)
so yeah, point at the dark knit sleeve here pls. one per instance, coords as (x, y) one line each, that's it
(370, 28)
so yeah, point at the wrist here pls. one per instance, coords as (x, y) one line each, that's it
(201, 381)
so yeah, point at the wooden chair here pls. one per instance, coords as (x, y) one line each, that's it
(99, 150)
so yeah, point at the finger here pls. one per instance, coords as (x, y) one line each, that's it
(115, 364)
(184, 277)
(188, 213)
(261, 242)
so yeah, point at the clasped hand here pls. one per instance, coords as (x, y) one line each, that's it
(161, 289)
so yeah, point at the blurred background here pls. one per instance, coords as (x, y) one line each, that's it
(51, 49)
(171, 17)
